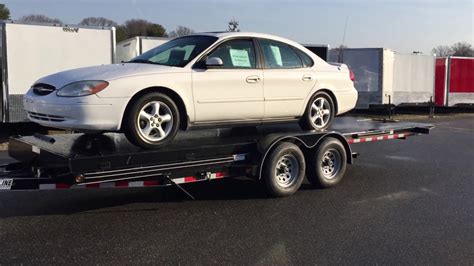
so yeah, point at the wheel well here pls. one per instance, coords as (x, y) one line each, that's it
(183, 124)
(333, 98)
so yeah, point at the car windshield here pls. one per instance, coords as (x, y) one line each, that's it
(177, 52)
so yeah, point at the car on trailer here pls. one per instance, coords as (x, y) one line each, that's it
(201, 80)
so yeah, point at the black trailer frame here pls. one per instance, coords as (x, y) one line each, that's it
(109, 161)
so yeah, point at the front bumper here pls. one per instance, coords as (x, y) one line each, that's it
(89, 113)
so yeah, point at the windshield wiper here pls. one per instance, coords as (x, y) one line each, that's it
(144, 61)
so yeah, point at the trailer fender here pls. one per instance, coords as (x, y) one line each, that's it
(307, 141)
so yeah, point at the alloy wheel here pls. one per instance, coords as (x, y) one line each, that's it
(320, 113)
(154, 121)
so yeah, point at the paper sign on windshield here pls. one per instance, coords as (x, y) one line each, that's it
(277, 55)
(240, 58)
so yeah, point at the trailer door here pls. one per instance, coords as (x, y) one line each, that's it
(461, 81)
(440, 82)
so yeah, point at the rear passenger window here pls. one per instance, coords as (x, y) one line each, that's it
(279, 55)
(307, 61)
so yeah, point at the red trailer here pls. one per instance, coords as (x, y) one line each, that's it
(454, 83)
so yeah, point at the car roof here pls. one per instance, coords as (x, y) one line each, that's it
(227, 34)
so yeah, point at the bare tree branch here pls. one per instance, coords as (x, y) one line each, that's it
(442, 51)
(38, 18)
(98, 22)
(463, 49)
(181, 31)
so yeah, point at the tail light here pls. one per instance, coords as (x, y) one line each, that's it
(351, 75)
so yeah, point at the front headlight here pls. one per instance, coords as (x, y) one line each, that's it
(82, 88)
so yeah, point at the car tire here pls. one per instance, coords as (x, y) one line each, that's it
(152, 121)
(327, 164)
(319, 113)
(284, 170)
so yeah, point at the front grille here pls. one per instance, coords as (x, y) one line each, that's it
(45, 117)
(42, 89)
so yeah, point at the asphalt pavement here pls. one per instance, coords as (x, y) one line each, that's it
(402, 202)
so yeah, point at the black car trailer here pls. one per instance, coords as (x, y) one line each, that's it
(280, 155)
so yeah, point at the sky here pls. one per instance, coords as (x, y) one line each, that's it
(401, 25)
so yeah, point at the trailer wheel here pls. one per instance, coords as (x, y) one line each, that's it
(327, 165)
(284, 170)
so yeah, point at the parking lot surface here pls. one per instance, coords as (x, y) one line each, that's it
(401, 202)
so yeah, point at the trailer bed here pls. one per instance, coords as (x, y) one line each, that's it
(109, 160)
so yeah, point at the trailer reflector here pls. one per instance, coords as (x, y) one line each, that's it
(150, 183)
(378, 138)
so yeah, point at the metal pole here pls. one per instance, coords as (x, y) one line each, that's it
(432, 107)
(389, 107)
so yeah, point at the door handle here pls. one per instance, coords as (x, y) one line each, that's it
(253, 79)
(307, 78)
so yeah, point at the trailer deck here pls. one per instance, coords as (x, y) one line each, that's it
(109, 160)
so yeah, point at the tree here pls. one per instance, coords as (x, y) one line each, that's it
(233, 25)
(463, 49)
(139, 27)
(180, 31)
(4, 12)
(442, 51)
(121, 33)
(35, 18)
(98, 22)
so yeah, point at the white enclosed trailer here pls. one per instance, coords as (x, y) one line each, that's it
(136, 46)
(386, 77)
(413, 79)
(31, 51)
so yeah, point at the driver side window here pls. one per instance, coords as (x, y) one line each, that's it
(236, 54)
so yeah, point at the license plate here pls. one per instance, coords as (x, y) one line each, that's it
(6, 183)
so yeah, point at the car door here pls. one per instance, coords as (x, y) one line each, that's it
(233, 91)
(288, 79)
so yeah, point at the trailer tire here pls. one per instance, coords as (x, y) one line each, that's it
(284, 170)
(327, 164)
(164, 121)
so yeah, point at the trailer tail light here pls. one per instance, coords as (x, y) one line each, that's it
(79, 178)
(351, 75)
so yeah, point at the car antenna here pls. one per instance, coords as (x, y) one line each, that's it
(341, 48)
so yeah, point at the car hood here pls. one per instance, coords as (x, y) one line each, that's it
(104, 72)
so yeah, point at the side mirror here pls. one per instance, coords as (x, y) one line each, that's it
(214, 62)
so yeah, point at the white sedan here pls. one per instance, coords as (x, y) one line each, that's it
(206, 79)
